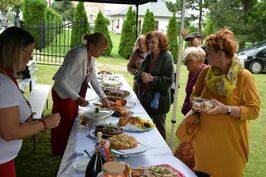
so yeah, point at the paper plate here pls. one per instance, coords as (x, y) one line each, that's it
(131, 152)
(133, 128)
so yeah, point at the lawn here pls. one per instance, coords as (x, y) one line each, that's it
(40, 163)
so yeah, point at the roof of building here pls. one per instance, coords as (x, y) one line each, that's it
(158, 8)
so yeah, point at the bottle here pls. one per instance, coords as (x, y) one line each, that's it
(94, 166)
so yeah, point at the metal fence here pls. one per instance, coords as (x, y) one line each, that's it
(53, 40)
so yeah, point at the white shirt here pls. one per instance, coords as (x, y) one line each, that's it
(70, 76)
(11, 96)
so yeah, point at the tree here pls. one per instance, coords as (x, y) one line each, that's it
(127, 35)
(209, 27)
(65, 8)
(173, 7)
(234, 14)
(5, 5)
(101, 25)
(80, 25)
(148, 22)
(257, 21)
(172, 33)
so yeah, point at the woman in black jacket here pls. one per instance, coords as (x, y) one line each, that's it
(155, 78)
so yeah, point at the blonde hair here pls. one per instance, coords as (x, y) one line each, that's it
(196, 53)
(12, 42)
(97, 39)
(137, 42)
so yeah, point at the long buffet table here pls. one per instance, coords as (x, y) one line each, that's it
(158, 152)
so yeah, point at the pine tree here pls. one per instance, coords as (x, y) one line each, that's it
(127, 35)
(80, 25)
(172, 33)
(101, 25)
(148, 22)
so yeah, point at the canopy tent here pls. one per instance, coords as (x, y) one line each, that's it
(137, 3)
(129, 2)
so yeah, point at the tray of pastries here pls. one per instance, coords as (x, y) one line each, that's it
(122, 141)
(202, 104)
(115, 92)
(135, 124)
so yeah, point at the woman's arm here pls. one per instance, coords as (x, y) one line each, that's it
(131, 67)
(12, 129)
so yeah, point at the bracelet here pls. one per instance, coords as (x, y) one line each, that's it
(44, 124)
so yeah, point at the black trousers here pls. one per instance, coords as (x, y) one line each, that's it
(201, 174)
(159, 120)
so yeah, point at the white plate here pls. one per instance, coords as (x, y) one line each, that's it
(102, 114)
(133, 128)
(80, 163)
(134, 151)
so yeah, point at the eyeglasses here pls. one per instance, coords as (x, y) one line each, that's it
(30, 53)
(187, 61)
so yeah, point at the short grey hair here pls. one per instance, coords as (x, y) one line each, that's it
(196, 53)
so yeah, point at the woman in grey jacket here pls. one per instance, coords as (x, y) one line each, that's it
(155, 77)
(70, 86)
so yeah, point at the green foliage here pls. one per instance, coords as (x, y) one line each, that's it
(65, 8)
(33, 14)
(127, 35)
(209, 27)
(52, 20)
(173, 7)
(257, 22)
(5, 5)
(148, 22)
(234, 14)
(80, 25)
(172, 33)
(101, 25)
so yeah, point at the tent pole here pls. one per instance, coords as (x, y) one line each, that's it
(137, 19)
(180, 47)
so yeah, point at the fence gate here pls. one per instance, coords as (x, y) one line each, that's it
(53, 40)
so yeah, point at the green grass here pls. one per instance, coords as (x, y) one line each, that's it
(40, 163)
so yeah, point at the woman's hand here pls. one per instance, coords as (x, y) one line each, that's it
(107, 103)
(81, 102)
(52, 120)
(219, 108)
(146, 77)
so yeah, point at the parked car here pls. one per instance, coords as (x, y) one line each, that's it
(254, 57)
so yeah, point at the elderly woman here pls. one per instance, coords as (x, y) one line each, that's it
(155, 77)
(16, 47)
(136, 59)
(221, 145)
(194, 60)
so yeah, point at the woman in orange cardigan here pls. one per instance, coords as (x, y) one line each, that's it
(221, 146)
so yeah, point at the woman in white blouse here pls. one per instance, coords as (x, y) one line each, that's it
(16, 47)
(71, 82)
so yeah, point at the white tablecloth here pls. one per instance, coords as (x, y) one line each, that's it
(158, 151)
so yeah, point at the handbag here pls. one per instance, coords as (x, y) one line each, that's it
(189, 127)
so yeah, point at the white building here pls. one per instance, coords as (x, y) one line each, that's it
(159, 9)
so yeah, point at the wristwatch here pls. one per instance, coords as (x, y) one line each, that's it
(229, 110)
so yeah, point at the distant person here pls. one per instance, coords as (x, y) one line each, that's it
(221, 145)
(136, 59)
(195, 39)
(70, 86)
(156, 75)
(16, 47)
